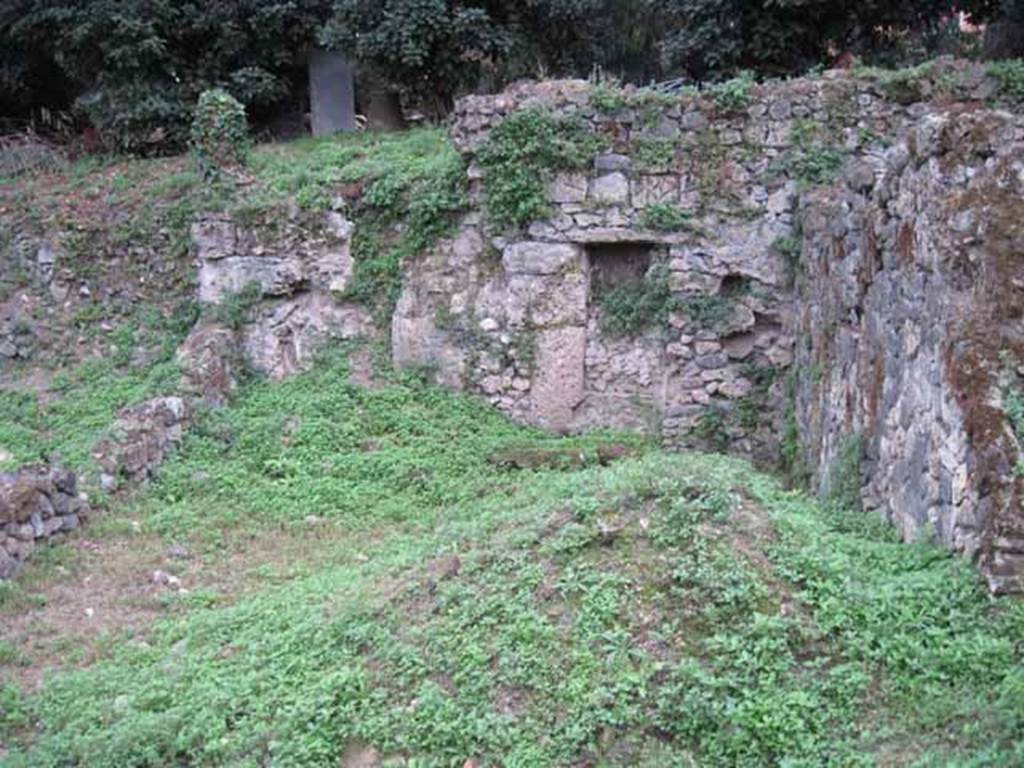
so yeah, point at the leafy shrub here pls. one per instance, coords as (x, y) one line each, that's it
(813, 159)
(665, 217)
(220, 133)
(734, 95)
(1010, 74)
(708, 311)
(653, 155)
(633, 307)
(521, 155)
(607, 97)
(136, 67)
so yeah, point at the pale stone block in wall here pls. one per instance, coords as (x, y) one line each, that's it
(610, 189)
(548, 301)
(558, 381)
(569, 188)
(286, 337)
(535, 258)
(220, 278)
(649, 189)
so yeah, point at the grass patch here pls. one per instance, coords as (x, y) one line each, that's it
(82, 400)
(734, 95)
(1010, 75)
(664, 610)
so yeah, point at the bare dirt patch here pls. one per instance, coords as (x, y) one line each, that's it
(71, 603)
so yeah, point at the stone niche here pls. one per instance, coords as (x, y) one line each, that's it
(525, 326)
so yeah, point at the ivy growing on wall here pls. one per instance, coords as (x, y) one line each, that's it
(666, 217)
(633, 307)
(220, 133)
(813, 159)
(520, 157)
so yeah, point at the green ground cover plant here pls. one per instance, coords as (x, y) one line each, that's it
(82, 399)
(662, 610)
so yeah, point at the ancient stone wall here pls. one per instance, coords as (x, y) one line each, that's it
(286, 279)
(842, 280)
(519, 317)
(36, 504)
(909, 328)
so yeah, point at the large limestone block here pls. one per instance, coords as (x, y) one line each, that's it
(610, 189)
(568, 188)
(558, 382)
(417, 342)
(221, 278)
(333, 266)
(536, 258)
(547, 301)
(286, 337)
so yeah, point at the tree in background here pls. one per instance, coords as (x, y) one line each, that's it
(1005, 38)
(430, 50)
(136, 67)
(715, 38)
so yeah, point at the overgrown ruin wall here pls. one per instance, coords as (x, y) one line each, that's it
(909, 327)
(839, 288)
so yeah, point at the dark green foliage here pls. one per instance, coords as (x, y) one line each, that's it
(633, 307)
(666, 217)
(718, 38)
(734, 95)
(419, 46)
(520, 157)
(1010, 74)
(220, 133)
(136, 67)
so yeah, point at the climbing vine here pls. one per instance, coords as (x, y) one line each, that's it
(520, 157)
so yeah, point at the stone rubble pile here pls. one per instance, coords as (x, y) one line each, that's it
(36, 504)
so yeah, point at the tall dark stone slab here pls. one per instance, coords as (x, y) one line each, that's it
(331, 93)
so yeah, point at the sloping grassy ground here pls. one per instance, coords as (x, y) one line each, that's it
(123, 227)
(663, 610)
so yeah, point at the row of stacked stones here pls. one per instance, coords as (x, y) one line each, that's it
(36, 504)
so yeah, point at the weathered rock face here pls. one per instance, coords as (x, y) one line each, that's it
(210, 361)
(288, 279)
(36, 504)
(910, 316)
